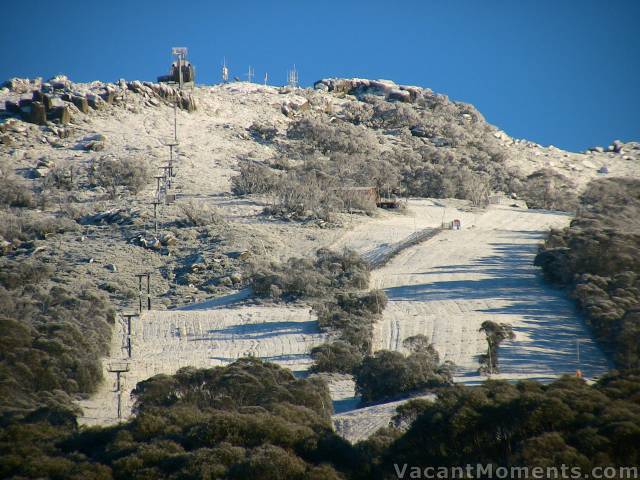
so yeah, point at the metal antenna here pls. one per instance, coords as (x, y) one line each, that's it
(181, 54)
(292, 77)
(266, 78)
(250, 74)
(225, 71)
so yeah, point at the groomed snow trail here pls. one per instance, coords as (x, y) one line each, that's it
(446, 287)
(164, 341)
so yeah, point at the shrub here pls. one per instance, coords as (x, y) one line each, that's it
(30, 225)
(566, 422)
(388, 374)
(305, 278)
(549, 190)
(52, 339)
(109, 172)
(199, 214)
(263, 131)
(338, 357)
(253, 178)
(14, 192)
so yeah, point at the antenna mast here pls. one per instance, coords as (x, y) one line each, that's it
(250, 74)
(225, 71)
(292, 77)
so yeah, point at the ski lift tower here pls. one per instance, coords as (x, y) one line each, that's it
(118, 368)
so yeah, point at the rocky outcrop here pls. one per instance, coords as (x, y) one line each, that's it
(361, 86)
(58, 99)
(185, 100)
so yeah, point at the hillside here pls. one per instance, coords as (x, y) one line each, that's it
(271, 244)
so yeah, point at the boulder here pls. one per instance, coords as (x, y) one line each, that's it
(617, 146)
(61, 114)
(38, 114)
(81, 103)
(95, 101)
(398, 95)
(23, 85)
(168, 239)
(108, 97)
(11, 107)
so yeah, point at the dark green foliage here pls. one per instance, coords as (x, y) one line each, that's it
(51, 340)
(523, 424)
(598, 258)
(388, 374)
(249, 420)
(496, 333)
(248, 382)
(338, 356)
(352, 315)
(305, 278)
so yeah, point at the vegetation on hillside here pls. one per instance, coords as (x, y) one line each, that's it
(388, 374)
(598, 259)
(51, 340)
(527, 424)
(254, 420)
(249, 420)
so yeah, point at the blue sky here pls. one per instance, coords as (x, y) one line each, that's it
(557, 72)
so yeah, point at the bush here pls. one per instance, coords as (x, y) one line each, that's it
(352, 315)
(199, 214)
(387, 374)
(263, 132)
(549, 190)
(29, 225)
(305, 278)
(253, 178)
(111, 173)
(338, 357)
(14, 192)
(51, 339)
(529, 424)
(249, 419)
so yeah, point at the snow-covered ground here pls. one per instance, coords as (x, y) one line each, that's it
(443, 288)
(446, 287)
(164, 341)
